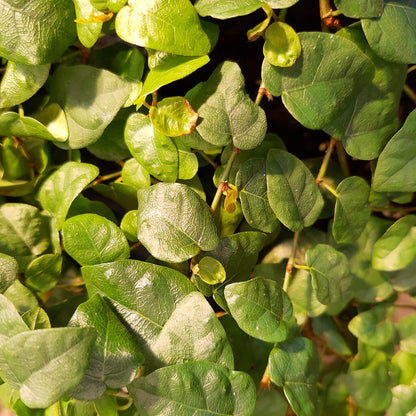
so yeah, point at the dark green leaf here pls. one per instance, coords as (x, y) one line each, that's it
(8, 271)
(359, 8)
(55, 30)
(63, 186)
(123, 194)
(294, 365)
(34, 358)
(260, 307)
(174, 223)
(43, 273)
(270, 402)
(134, 174)
(92, 239)
(171, 390)
(83, 205)
(225, 10)
(292, 191)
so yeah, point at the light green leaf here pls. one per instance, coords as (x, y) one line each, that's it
(63, 186)
(24, 232)
(404, 401)
(331, 277)
(406, 328)
(260, 307)
(397, 162)
(53, 118)
(90, 98)
(352, 209)
(396, 248)
(282, 45)
(163, 25)
(225, 10)
(210, 270)
(55, 30)
(359, 8)
(373, 327)
(134, 174)
(292, 191)
(174, 223)
(20, 82)
(280, 4)
(294, 365)
(21, 297)
(30, 360)
(407, 364)
(252, 190)
(88, 33)
(144, 295)
(193, 333)
(173, 116)
(227, 114)
(154, 151)
(36, 318)
(92, 239)
(129, 225)
(115, 357)
(8, 271)
(171, 390)
(43, 273)
(188, 161)
(11, 323)
(382, 34)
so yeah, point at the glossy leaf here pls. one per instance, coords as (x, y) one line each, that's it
(331, 277)
(35, 357)
(294, 365)
(153, 150)
(382, 34)
(292, 191)
(227, 114)
(43, 273)
(359, 8)
(92, 239)
(55, 30)
(20, 82)
(129, 225)
(24, 232)
(163, 25)
(115, 357)
(252, 186)
(171, 390)
(90, 98)
(8, 271)
(352, 209)
(134, 174)
(260, 307)
(396, 248)
(282, 46)
(88, 33)
(210, 270)
(226, 10)
(174, 223)
(63, 186)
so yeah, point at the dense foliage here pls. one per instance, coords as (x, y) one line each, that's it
(168, 253)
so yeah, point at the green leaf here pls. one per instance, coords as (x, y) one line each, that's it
(154, 151)
(172, 390)
(144, 295)
(352, 209)
(252, 187)
(193, 333)
(43, 273)
(225, 10)
(55, 30)
(129, 225)
(407, 364)
(382, 33)
(34, 358)
(173, 116)
(21, 297)
(227, 114)
(188, 161)
(292, 191)
(406, 328)
(404, 401)
(53, 117)
(115, 357)
(373, 327)
(134, 174)
(359, 9)
(20, 82)
(260, 307)
(397, 162)
(36, 318)
(281, 4)
(106, 405)
(88, 33)
(331, 277)
(83, 205)
(8, 271)
(210, 270)
(396, 248)
(174, 223)
(24, 232)
(163, 25)
(90, 98)
(123, 194)
(270, 402)
(63, 186)
(11, 323)
(294, 365)
(282, 46)
(92, 239)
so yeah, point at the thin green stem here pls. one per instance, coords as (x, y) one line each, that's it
(409, 92)
(329, 188)
(291, 262)
(301, 267)
(326, 160)
(282, 15)
(208, 159)
(342, 159)
(261, 92)
(106, 178)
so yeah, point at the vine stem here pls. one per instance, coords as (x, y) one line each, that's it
(106, 178)
(325, 11)
(325, 162)
(291, 262)
(261, 92)
(409, 92)
(208, 159)
(342, 159)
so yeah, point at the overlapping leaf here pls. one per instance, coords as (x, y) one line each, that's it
(359, 8)
(88, 33)
(43, 273)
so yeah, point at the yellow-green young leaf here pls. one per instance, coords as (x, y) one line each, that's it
(360, 8)
(225, 10)
(134, 174)
(43, 273)
(257, 31)
(404, 400)
(282, 46)
(8, 271)
(173, 116)
(210, 270)
(129, 225)
(88, 32)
